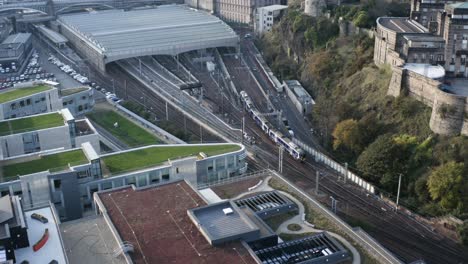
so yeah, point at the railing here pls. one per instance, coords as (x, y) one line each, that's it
(320, 157)
(234, 179)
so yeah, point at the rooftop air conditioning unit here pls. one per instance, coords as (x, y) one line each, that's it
(228, 211)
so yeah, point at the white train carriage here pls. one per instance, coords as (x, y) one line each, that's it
(260, 120)
(247, 101)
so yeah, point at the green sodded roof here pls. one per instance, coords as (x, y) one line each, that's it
(52, 162)
(152, 156)
(65, 92)
(30, 123)
(22, 92)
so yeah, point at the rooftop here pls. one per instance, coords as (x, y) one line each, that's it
(13, 94)
(150, 156)
(69, 91)
(53, 248)
(274, 7)
(218, 225)
(31, 123)
(77, 241)
(53, 162)
(424, 38)
(428, 70)
(52, 35)
(297, 88)
(401, 25)
(17, 38)
(155, 221)
(168, 29)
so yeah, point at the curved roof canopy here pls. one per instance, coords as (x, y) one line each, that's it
(166, 30)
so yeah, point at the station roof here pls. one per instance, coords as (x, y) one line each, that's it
(52, 35)
(166, 30)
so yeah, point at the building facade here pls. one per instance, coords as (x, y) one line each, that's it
(299, 96)
(15, 49)
(267, 16)
(57, 130)
(71, 188)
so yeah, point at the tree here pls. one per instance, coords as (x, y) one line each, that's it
(448, 185)
(361, 19)
(463, 233)
(383, 160)
(346, 134)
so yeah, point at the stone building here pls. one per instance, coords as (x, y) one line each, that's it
(427, 53)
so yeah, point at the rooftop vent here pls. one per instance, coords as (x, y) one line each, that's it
(228, 211)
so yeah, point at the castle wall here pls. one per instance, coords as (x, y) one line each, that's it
(449, 111)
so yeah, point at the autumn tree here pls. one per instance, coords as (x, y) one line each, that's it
(448, 185)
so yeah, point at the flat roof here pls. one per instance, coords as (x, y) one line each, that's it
(424, 38)
(70, 91)
(17, 38)
(55, 37)
(218, 225)
(38, 163)
(165, 30)
(401, 25)
(90, 240)
(297, 88)
(17, 93)
(31, 123)
(155, 221)
(428, 70)
(150, 156)
(274, 7)
(53, 248)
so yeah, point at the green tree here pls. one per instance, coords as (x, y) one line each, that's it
(361, 19)
(383, 160)
(448, 185)
(462, 231)
(346, 134)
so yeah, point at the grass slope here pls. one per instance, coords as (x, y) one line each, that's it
(32, 123)
(22, 92)
(147, 157)
(127, 131)
(51, 162)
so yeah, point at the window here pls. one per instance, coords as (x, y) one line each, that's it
(57, 184)
(42, 98)
(13, 106)
(210, 168)
(80, 108)
(177, 170)
(83, 97)
(28, 101)
(463, 60)
(64, 103)
(165, 177)
(70, 102)
(21, 103)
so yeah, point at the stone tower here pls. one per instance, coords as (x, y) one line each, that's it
(314, 7)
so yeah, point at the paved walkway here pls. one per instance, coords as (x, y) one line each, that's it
(300, 219)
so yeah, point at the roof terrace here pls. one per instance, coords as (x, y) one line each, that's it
(146, 157)
(31, 123)
(38, 163)
(69, 91)
(17, 93)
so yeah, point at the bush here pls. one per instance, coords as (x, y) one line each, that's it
(462, 231)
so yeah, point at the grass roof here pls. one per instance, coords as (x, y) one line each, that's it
(65, 92)
(152, 156)
(30, 123)
(22, 92)
(52, 162)
(126, 131)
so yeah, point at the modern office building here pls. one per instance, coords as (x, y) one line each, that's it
(69, 178)
(15, 49)
(49, 131)
(28, 99)
(267, 16)
(184, 228)
(33, 98)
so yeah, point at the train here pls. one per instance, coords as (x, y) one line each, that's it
(276, 136)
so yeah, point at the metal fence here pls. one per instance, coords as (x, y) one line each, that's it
(235, 179)
(320, 157)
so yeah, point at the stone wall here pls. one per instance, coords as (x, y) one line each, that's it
(449, 111)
